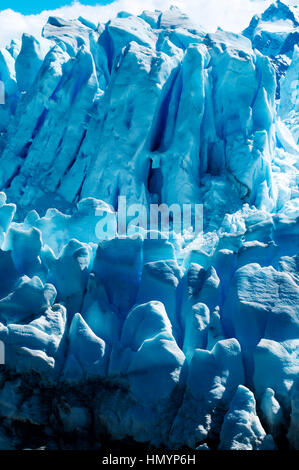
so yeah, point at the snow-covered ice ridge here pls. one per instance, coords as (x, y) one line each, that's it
(180, 342)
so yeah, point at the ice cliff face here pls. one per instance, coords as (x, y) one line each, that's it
(110, 105)
(170, 342)
(275, 33)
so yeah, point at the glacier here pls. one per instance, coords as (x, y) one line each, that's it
(187, 341)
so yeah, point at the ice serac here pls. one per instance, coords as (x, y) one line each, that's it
(212, 380)
(159, 344)
(72, 33)
(276, 30)
(280, 366)
(261, 303)
(242, 429)
(28, 62)
(289, 96)
(272, 412)
(63, 84)
(148, 360)
(74, 260)
(36, 345)
(275, 33)
(9, 88)
(163, 277)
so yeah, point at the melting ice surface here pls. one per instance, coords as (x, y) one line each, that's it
(181, 342)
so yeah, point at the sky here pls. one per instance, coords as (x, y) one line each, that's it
(33, 7)
(18, 16)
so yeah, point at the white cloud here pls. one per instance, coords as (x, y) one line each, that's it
(232, 15)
